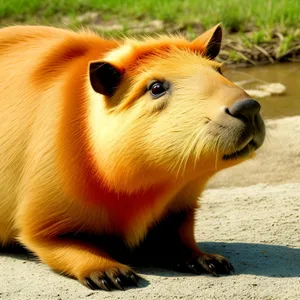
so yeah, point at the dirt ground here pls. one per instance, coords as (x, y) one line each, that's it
(250, 214)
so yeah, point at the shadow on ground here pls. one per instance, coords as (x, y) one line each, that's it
(253, 259)
(17, 252)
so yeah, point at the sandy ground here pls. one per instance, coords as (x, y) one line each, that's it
(250, 214)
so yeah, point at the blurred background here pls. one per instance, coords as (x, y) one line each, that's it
(256, 32)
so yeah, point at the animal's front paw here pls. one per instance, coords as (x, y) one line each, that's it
(119, 277)
(211, 263)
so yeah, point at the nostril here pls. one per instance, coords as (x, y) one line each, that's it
(227, 111)
(244, 109)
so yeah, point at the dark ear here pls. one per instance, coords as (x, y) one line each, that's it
(104, 78)
(211, 40)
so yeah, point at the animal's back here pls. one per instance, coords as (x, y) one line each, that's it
(20, 48)
(30, 62)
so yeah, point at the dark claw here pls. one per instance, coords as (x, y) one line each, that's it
(211, 263)
(118, 283)
(192, 267)
(228, 267)
(105, 285)
(213, 269)
(225, 266)
(91, 284)
(133, 279)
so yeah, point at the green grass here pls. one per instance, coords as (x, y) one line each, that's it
(251, 25)
(236, 15)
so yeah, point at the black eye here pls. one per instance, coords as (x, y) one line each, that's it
(157, 89)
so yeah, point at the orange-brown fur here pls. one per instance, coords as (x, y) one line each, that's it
(72, 160)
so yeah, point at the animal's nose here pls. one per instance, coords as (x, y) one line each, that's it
(244, 109)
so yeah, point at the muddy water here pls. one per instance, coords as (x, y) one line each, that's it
(275, 106)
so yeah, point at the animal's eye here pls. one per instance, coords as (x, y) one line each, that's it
(157, 89)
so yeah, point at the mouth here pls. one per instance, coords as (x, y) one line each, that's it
(244, 152)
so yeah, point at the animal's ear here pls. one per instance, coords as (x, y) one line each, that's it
(211, 40)
(104, 77)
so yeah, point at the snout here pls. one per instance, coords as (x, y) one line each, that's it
(252, 132)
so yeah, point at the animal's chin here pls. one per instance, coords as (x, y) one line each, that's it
(242, 153)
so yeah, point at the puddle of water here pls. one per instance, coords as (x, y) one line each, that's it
(275, 106)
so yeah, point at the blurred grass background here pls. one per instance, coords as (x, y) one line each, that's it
(251, 22)
(234, 14)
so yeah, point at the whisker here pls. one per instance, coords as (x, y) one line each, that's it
(200, 148)
(217, 152)
(180, 162)
(192, 147)
(184, 158)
